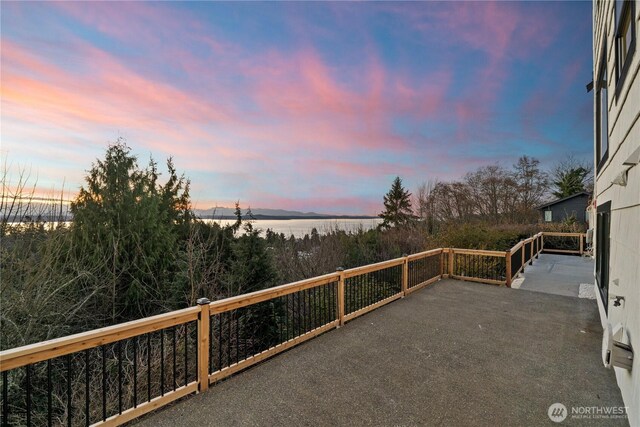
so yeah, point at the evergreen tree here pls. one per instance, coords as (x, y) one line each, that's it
(129, 225)
(570, 182)
(238, 214)
(397, 206)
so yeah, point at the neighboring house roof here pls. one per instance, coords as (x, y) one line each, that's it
(583, 193)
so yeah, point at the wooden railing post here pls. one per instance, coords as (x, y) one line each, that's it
(507, 256)
(531, 253)
(203, 344)
(524, 262)
(405, 275)
(450, 262)
(538, 247)
(340, 297)
(581, 245)
(541, 241)
(442, 263)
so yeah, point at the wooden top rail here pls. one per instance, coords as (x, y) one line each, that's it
(372, 267)
(244, 300)
(38, 352)
(425, 254)
(477, 252)
(517, 246)
(550, 233)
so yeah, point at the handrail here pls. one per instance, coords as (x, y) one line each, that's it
(425, 254)
(373, 267)
(381, 282)
(33, 353)
(517, 246)
(251, 298)
(478, 252)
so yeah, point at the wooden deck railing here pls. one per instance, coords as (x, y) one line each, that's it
(112, 375)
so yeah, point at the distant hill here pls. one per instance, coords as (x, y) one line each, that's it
(258, 213)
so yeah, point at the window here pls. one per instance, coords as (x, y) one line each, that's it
(603, 225)
(548, 216)
(602, 114)
(625, 39)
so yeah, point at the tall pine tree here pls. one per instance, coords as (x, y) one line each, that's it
(397, 206)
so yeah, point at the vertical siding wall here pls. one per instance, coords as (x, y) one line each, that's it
(624, 138)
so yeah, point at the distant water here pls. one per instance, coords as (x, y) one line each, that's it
(300, 227)
(297, 227)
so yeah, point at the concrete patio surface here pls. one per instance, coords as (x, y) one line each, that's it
(558, 274)
(456, 353)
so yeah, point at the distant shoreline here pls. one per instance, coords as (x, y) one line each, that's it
(271, 217)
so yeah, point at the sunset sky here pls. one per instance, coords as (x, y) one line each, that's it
(305, 106)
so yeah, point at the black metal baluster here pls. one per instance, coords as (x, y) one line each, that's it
(312, 321)
(28, 391)
(305, 319)
(195, 345)
(280, 322)
(315, 307)
(135, 372)
(104, 382)
(219, 316)
(162, 362)
(348, 283)
(69, 409)
(362, 289)
(385, 285)
(238, 336)
(308, 309)
(369, 279)
(119, 344)
(149, 367)
(5, 398)
(285, 331)
(325, 312)
(309, 312)
(294, 315)
(334, 303)
(49, 396)
(303, 294)
(353, 288)
(299, 318)
(175, 360)
(323, 305)
(186, 353)
(212, 326)
(354, 293)
(228, 316)
(87, 366)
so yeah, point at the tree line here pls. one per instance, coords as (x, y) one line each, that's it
(491, 193)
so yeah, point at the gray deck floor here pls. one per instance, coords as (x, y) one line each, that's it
(558, 274)
(457, 353)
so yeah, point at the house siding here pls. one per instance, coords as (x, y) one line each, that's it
(624, 138)
(575, 206)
